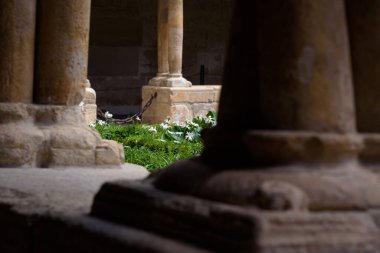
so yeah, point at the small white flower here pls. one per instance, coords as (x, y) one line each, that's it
(108, 115)
(138, 118)
(190, 136)
(92, 125)
(164, 126)
(167, 121)
(193, 124)
(101, 122)
(81, 104)
(152, 129)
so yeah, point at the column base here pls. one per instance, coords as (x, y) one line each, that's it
(314, 197)
(52, 136)
(180, 104)
(223, 227)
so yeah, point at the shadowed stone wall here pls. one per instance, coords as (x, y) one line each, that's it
(123, 47)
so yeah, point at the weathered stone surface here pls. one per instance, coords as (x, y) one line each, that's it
(179, 103)
(225, 228)
(109, 152)
(17, 36)
(62, 51)
(52, 136)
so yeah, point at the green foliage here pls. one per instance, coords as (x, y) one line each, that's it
(157, 146)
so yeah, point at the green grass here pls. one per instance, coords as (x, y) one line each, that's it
(152, 149)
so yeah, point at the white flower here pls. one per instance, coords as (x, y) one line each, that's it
(108, 115)
(138, 118)
(101, 122)
(152, 129)
(164, 126)
(193, 124)
(92, 125)
(167, 121)
(81, 104)
(190, 136)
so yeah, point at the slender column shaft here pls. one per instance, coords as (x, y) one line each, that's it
(175, 35)
(162, 37)
(63, 30)
(364, 24)
(17, 36)
(288, 71)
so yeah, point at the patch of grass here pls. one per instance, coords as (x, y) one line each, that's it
(157, 146)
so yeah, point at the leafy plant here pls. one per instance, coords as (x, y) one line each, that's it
(157, 146)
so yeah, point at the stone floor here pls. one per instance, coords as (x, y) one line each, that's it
(68, 190)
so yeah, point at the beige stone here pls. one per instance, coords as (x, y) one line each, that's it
(52, 136)
(62, 51)
(17, 26)
(173, 101)
(109, 153)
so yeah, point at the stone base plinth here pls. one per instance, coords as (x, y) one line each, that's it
(180, 104)
(220, 227)
(52, 136)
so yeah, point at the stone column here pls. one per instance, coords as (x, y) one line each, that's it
(17, 30)
(62, 51)
(175, 41)
(162, 43)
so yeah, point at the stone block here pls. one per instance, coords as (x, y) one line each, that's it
(180, 113)
(73, 137)
(90, 113)
(71, 157)
(201, 109)
(109, 153)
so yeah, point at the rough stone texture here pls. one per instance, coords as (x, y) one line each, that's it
(89, 106)
(17, 36)
(62, 51)
(46, 211)
(123, 47)
(225, 228)
(52, 136)
(180, 104)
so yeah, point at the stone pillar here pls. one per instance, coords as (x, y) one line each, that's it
(175, 41)
(176, 97)
(17, 30)
(62, 53)
(162, 43)
(282, 162)
(52, 132)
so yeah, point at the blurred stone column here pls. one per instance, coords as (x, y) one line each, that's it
(17, 36)
(62, 51)
(162, 43)
(290, 72)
